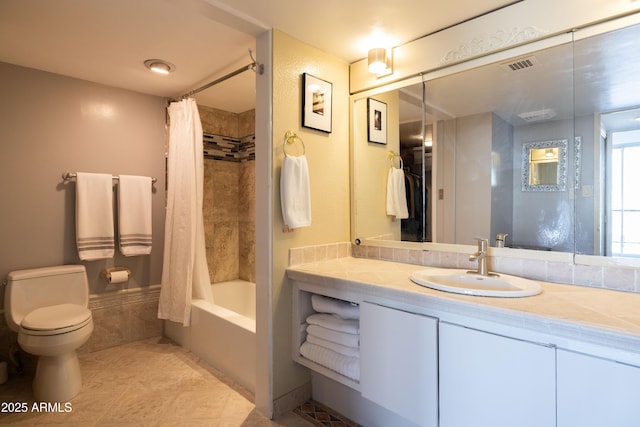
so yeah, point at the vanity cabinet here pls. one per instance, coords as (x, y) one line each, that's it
(431, 363)
(492, 380)
(595, 392)
(399, 362)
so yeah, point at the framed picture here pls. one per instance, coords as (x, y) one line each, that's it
(376, 121)
(316, 103)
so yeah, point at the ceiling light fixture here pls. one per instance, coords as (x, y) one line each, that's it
(159, 66)
(380, 62)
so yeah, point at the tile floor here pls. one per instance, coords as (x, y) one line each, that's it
(147, 383)
(323, 416)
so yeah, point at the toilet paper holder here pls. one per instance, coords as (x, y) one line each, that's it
(106, 273)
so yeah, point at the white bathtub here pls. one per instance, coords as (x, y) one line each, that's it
(224, 333)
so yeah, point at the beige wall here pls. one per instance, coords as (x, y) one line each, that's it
(229, 201)
(53, 124)
(328, 158)
(220, 122)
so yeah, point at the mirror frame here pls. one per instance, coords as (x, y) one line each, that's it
(561, 185)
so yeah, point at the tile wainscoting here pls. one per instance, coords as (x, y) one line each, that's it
(124, 316)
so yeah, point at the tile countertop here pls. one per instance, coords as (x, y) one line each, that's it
(597, 316)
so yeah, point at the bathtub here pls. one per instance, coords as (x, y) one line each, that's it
(223, 333)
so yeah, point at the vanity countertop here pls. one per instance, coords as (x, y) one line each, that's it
(597, 316)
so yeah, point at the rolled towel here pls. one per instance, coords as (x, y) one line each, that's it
(344, 309)
(350, 340)
(338, 348)
(334, 322)
(344, 365)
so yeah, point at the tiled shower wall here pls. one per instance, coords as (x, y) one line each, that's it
(229, 197)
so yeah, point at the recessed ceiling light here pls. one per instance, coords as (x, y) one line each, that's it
(159, 66)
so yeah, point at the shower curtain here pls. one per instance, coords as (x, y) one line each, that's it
(185, 274)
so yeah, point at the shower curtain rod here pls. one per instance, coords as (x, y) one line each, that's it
(253, 66)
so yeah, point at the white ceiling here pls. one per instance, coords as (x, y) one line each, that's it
(106, 41)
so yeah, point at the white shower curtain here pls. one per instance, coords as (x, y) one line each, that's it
(185, 274)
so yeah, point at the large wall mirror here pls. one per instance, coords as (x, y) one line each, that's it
(463, 138)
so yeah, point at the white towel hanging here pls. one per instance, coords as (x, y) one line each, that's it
(396, 194)
(134, 215)
(94, 216)
(295, 192)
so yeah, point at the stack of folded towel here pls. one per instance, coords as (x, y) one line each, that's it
(333, 336)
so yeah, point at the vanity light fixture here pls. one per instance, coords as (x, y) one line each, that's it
(380, 62)
(159, 66)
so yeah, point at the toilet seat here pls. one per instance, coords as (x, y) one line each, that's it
(55, 319)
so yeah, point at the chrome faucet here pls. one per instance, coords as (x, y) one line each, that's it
(500, 239)
(481, 256)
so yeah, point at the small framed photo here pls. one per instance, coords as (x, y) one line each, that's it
(316, 103)
(376, 121)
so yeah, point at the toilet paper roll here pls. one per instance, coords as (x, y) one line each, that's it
(118, 276)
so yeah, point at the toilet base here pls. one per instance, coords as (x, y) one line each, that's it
(58, 378)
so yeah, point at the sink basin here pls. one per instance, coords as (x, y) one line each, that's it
(461, 282)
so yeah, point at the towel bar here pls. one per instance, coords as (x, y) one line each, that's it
(68, 176)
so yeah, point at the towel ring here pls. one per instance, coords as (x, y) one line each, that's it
(392, 155)
(290, 138)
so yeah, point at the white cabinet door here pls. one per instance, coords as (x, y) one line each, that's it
(399, 362)
(494, 381)
(597, 392)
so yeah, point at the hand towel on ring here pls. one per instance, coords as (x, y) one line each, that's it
(396, 194)
(295, 193)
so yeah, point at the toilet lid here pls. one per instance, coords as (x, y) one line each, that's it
(56, 317)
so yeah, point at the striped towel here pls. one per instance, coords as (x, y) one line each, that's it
(134, 215)
(94, 216)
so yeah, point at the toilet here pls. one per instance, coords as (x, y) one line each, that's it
(48, 308)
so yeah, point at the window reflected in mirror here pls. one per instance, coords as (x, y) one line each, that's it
(544, 166)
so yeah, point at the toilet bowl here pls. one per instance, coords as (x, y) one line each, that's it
(48, 308)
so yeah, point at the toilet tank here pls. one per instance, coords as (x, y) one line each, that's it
(27, 290)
